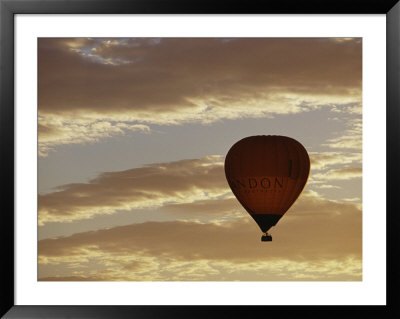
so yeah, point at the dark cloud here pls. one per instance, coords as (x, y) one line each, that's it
(88, 88)
(164, 76)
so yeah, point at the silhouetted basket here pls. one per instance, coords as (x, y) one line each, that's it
(266, 238)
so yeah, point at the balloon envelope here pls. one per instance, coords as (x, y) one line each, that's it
(267, 174)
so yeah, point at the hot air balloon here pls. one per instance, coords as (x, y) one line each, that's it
(267, 175)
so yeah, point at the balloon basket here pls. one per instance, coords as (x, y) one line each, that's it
(266, 237)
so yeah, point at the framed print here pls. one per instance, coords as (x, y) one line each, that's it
(164, 159)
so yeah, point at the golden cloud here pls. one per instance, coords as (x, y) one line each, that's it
(344, 269)
(186, 189)
(322, 160)
(57, 130)
(151, 186)
(341, 174)
(317, 240)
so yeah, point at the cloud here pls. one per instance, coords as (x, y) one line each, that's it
(354, 199)
(340, 174)
(351, 138)
(323, 160)
(329, 186)
(140, 82)
(151, 186)
(186, 189)
(217, 210)
(343, 269)
(56, 130)
(328, 168)
(351, 108)
(317, 240)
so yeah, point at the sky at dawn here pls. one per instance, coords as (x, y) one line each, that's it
(133, 134)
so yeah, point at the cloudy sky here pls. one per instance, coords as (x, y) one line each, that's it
(133, 135)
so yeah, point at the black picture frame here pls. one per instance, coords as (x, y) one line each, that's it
(8, 8)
